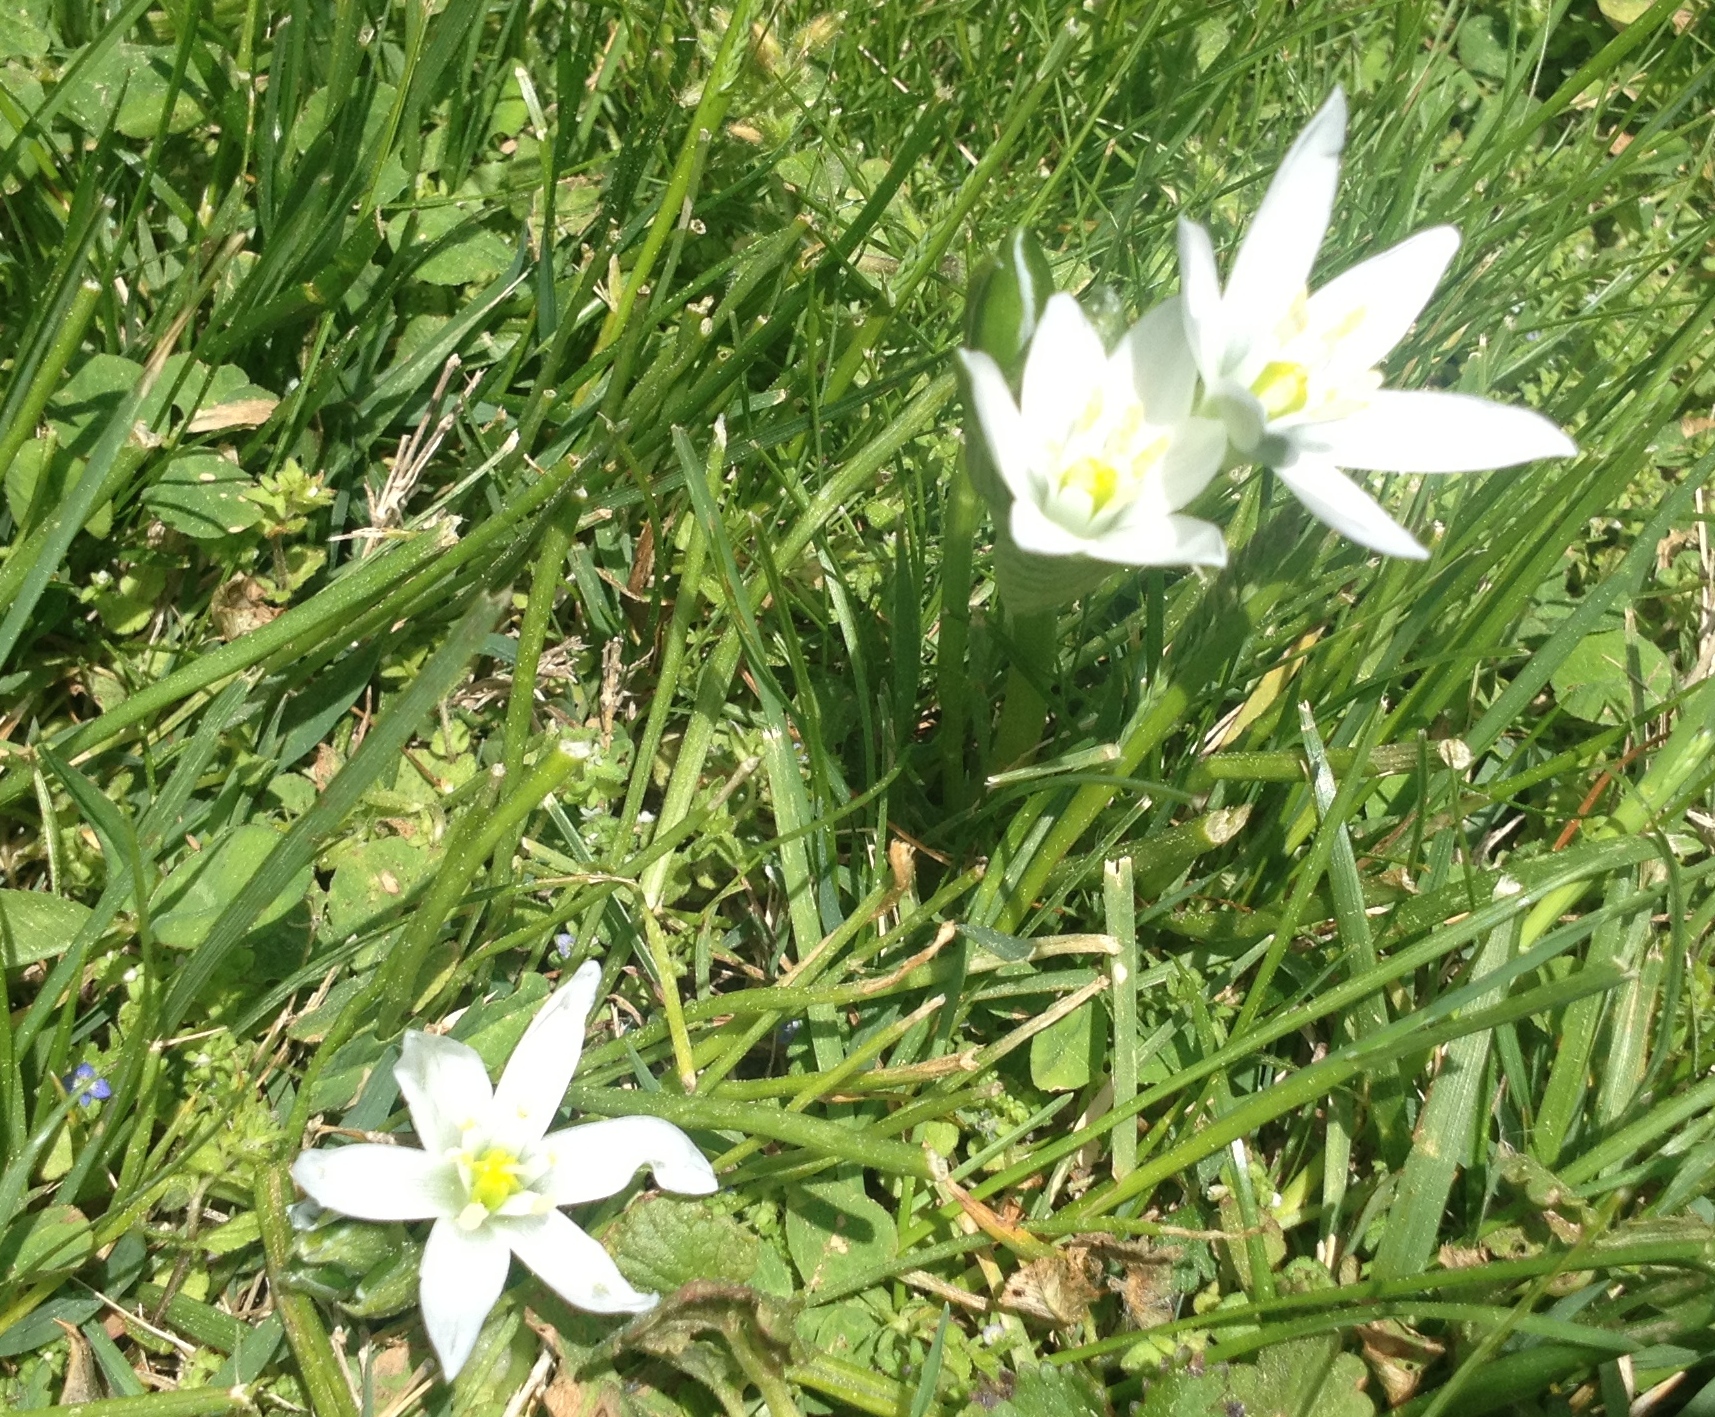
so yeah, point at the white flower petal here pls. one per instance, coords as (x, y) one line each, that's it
(1375, 302)
(1351, 511)
(1200, 299)
(1064, 367)
(1436, 432)
(572, 1264)
(599, 1159)
(1240, 411)
(1153, 363)
(1192, 459)
(1155, 540)
(1273, 264)
(370, 1182)
(1033, 532)
(462, 1275)
(445, 1085)
(542, 1064)
(1002, 425)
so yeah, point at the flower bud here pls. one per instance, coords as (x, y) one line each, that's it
(390, 1287)
(1006, 297)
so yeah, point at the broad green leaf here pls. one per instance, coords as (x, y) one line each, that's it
(20, 38)
(664, 1243)
(1068, 1053)
(1620, 13)
(202, 495)
(191, 899)
(35, 925)
(476, 254)
(1481, 49)
(834, 1230)
(57, 1238)
(137, 79)
(494, 1026)
(1278, 1384)
(371, 881)
(41, 1326)
(1598, 679)
(1060, 1391)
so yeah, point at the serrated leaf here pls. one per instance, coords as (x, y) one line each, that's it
(1274, 1386)
(664, 1243)
(371, 881)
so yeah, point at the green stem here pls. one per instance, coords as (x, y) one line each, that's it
(325, 1382)
(1024, 710)
(464, 858)
(1120, 902)
(187, 1402)
(964, 512)
(667, 975)
(1210, 642)
(47, 376)
(814, 1134)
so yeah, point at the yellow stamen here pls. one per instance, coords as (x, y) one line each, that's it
(1147, 459)
(1283, 388)
(494, 1178)
(1097, 480)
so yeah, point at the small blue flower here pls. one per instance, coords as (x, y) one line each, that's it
(563, 943)
(87, 1085)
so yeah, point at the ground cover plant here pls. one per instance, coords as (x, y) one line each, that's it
(491, 509)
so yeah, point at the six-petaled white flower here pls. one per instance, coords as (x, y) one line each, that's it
(1292, 374)
(1101, 451)
(492, 1176)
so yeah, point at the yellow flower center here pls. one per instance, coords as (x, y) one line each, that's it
(1283, 388)
(494, 1178)
(1094, 478)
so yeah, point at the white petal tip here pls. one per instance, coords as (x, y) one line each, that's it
(687, 1180)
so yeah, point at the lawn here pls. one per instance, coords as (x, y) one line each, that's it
(491, 488)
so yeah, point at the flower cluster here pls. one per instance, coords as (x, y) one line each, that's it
(1100, 451)
(492, 1176)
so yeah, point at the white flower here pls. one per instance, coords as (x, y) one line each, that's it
(1293, 374)
(492, 1176)
(1101, 451)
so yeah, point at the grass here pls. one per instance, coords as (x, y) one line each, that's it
(1316, 1023)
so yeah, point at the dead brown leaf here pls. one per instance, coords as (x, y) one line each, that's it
(1057, 1288)
(240, 606)
(83, 1378)
(1397, 1355)
(240, 413)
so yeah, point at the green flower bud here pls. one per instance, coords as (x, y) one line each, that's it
(355, 1246)
(390, 1287)
(1007, 294)
(1006, 297)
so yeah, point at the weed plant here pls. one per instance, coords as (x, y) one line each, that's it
(1315, 1021)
